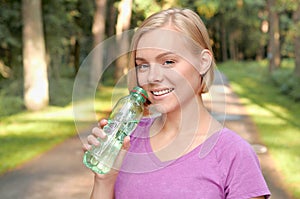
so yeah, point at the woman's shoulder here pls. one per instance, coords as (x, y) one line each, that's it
(223, 144)
(228, 139)
(231, 147)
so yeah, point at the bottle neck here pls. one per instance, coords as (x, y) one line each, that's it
(138, 98)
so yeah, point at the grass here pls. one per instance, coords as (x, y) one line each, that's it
(28, 134)
(276, 116)
(24, 134)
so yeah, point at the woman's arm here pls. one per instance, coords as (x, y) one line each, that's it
(103, 187)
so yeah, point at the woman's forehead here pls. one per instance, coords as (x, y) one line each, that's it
(168, 40)
(164, 39)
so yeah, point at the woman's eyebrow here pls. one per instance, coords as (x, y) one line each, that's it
(165, 54)
(157, 57)
(140, 59)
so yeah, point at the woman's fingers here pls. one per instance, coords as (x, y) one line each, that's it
(97, 132)
(126, 143)
(92, 140)
(86, 147)
(102, 123)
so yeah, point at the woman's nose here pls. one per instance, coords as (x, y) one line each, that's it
(155, 73)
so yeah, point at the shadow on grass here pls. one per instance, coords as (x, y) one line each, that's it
(252, 81)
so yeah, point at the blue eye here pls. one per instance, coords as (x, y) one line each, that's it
(142, 67)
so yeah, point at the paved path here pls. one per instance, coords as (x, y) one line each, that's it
(57, 174)
(60, 174)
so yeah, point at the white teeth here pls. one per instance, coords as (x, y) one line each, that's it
(162, 92)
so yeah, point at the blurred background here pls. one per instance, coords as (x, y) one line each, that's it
(43, 44)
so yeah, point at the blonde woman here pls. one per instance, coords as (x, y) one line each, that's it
(182, 152)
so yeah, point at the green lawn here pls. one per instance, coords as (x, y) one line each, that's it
(276, 116)
(27, 134)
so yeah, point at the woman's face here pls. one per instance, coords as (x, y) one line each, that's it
(167, 70)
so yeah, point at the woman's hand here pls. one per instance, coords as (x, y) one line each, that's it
(104, 183)
(97, 132)
(93, 140)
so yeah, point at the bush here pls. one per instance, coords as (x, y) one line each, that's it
(60, 91)
(295, 93)
(10, 105)
(287, 83)
(11, 93)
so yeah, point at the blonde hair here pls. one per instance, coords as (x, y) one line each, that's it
(185, 21)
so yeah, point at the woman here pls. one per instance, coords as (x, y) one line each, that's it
(182, 152)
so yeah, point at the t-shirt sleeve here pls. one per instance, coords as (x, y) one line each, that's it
(242, 176)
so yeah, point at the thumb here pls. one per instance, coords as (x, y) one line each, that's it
(122, 153)
(126, 143)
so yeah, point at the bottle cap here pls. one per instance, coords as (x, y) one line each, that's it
(141, 92)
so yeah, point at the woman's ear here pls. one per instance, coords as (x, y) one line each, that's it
(205, 61)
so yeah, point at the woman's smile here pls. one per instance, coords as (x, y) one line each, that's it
(161, 92)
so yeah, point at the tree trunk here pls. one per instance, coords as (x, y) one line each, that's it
(232, 47)
(98, 31)
(123, 23)
(36, 91)
(76, 56)
(296, 19)
(260, 52)
(111, 17)
(224, 42)
(274, 37)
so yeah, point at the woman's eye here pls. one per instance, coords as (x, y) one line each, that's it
(169, 63)
(142, 67)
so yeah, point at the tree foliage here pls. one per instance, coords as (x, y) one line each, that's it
(10, 36)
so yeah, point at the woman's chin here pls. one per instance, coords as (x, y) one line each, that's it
(157, 109)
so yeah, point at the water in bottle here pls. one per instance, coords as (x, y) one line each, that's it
(122, 121)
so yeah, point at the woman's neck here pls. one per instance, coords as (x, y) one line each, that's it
(177, 133)
(191, 116)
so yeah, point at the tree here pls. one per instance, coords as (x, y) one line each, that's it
(98, 31)
(123, 24)
(10, 39)
(63, 27)
(296, 19)
(274, 36)
(36, 92)
(228, 23)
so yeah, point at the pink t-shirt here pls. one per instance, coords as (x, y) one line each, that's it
(223, 167)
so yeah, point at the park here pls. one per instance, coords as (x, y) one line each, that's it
(44, 46)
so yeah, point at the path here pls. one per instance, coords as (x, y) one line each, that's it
(57, 174)
(60, 174)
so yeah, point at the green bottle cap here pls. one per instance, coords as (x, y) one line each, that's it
(141, 92)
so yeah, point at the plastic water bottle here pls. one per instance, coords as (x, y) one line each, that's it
(122, 121)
